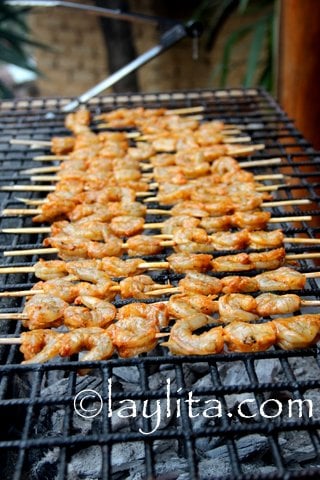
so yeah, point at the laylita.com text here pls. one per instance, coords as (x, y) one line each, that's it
(89, 403)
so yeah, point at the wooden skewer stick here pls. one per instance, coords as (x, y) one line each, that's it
(274, 176)
(266, 188)
(143, 265)
(179, 290)
(26, 230)
(248, 164)
(184, 110)
(197, 117)
(239, 151)
(51, 158)
(253, 163)
(24, 316)
(21, 293)
(25, 141)
(51, 169)
(43, 188)
(164, 243)
(56, 168)
(168, 111)
(160, 225)
(13, 316)
(31, 269)
(48, 143)
(28, 188)
(161, 288)
(164, 236)
(226, 139)
(41, 201)
(55, 178)
(49, 188)
(156, 211)
(280, 203)
(26, 293)
(31, 201)
(10, 341)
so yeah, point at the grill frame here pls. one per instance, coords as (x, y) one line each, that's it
(260, 114)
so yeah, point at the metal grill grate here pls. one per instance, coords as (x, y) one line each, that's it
(42, 436)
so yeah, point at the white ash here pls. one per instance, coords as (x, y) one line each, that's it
(298, 448)
(233, 373)
(203, 382)
(246, 447)
(304, 368)
(267, 370)
(158, 381)
(217, 461)
(128, 374)
(60, 388)
(48, 462)
(199, 368)
(86, 464)
(167, 467)
(126, 452)
(160, 446)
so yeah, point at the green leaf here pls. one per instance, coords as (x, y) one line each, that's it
(243, 5)
(206, 7)
(9, 55)
(19, 40)
(217, 19)
(255, 51)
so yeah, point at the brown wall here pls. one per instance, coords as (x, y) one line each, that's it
(300, 65)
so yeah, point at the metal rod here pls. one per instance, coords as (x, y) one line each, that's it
(93, 10)
(168, 39)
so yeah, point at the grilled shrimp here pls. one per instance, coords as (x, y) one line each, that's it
(250, 337)
(183, 341)
(182, 262)
(95, 340)
(236, 306)
(47, 270)
(283, 278)
(102, 312)
(297, 332)
(137, 286)
(271, 304)
(39, 346)
(184, 221)
(43, 310)
(134, 335)
(200, 283)
(126, 226)
(201, 303)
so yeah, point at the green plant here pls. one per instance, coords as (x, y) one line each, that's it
(15, 38)
(260, 66)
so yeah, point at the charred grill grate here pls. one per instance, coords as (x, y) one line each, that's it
(43, 436)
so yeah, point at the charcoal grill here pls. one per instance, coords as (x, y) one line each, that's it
(231, 446)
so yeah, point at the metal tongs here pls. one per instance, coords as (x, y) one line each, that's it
(175, 32)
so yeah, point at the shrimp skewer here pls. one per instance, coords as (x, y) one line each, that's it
(134, 335)
(122, 225)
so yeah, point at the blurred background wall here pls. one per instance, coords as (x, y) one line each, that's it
(269, 43)
(80, 57)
